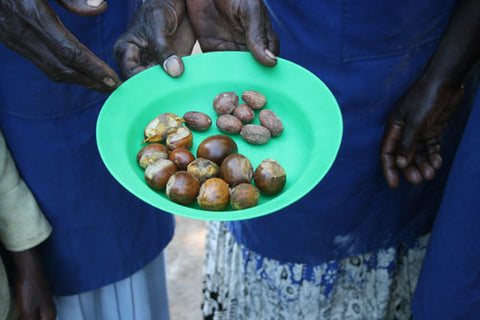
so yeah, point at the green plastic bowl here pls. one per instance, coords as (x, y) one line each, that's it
(306, 149)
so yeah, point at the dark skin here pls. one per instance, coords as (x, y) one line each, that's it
(31, 28)
(411, 140)
(160, 33)
(242, 25)
(34, 298)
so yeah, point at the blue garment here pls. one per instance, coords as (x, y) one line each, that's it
(101, 233)
(449, 284)
(368, 52)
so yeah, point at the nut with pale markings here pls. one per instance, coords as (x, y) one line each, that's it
(182, 138)
(271, 121)
(229, 124)
(255, 134)
(225, 102)
(197, 121)
(151, 153)
(244, 113)
(254, 99)
(158, 129)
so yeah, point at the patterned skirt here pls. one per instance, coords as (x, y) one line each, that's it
(242, 285)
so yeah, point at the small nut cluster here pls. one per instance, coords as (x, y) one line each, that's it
(234, 118)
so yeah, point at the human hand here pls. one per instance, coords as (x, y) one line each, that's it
(160, 33)
(34, 299)
(31, 28)
(235, 25)
(411, 140)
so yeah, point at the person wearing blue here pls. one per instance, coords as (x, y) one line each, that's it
(353, 247)
(104, 259)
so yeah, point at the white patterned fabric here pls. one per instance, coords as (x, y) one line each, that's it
(242, 285)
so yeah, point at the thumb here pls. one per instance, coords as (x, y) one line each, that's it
(407, 144)
(255, 26)
(166, 56)
(84, 7)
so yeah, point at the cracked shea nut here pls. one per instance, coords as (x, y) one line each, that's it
(244, 196)
(229, 124)
(214, 195)
(197, 121)
(271, 121)
(158, 173)
(203, 169)
(244, 113)
(255, 134)
(236, 169)
(151, 153)
(158, 129)
(270, 177)
(254, 99)
(225, 102)
(181, 138)
(182, 188)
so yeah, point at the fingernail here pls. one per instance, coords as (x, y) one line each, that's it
(94, 3)
(173, 66)
(270, 54)
(109, 82)
(401, 162)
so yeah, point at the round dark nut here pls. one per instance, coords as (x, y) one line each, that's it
(214, 195)
(229, 124)
(151, 153)
(255, 134)
(271, 121)
(244, 113)
(236, 169)
(197, 121)
(217, 148)
(158, 173)
(182, 187)
(181, 157)
(203, 169)
(244, 196)
(254, 99)
(270, 177)
(225, 102)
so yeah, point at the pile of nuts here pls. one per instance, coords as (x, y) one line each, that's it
(218, 175)
(234, 118)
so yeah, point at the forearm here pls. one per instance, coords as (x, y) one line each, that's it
(26, 262)
(459, 48)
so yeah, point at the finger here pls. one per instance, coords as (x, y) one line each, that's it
(127, 55)
(432, 148)
(412, 174)
(75, 55)
(407, 144)
(273, 42)
(424, 167)
(387, 154)
(84, 7)
(40, 55)
(256, 36)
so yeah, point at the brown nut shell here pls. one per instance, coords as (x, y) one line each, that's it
(181, 157)
(181, 138)
(255, 134)
(229, 124)
(203, 169)
(216, 148)
(151, 153)
(244, 196)
(164, 124)
(271, 121)
(236, 169)
(254, 99)
(158, 173)
(182, 187)
(225, 102)
(270, 177)
(244, 113)
(197, 121)
(213, 195)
